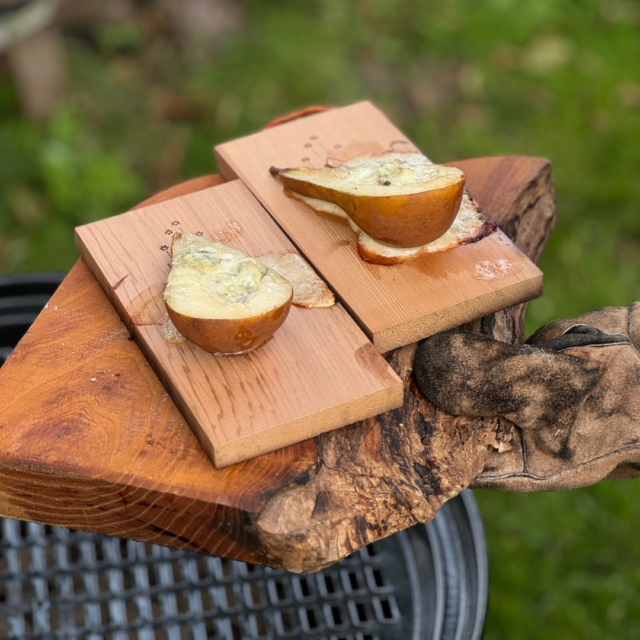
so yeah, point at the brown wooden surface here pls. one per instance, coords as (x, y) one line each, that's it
(115, 455)
(394, 305)
(319, 372)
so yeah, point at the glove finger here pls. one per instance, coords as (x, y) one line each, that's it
(470, 374)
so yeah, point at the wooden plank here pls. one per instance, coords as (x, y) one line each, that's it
(115, 456)
(393, 305)
(318, 373)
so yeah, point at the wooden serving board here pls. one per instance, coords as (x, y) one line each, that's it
(394, 305)
(318, 373)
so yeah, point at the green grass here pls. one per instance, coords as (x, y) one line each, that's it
(564, 565)
(543, 77)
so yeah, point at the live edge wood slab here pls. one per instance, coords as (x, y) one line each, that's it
(319, 372)
(89, 438)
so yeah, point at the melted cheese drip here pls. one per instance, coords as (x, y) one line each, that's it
(211, 280)
(309, 290)
(171, 333)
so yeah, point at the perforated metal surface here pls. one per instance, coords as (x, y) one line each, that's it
(69, 584)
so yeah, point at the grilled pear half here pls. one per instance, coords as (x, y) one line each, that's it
(222, 300)
(399, 199)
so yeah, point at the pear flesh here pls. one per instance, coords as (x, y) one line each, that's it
(221, 299)
(470, 225)
(399, 199)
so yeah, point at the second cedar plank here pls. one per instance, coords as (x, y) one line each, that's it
(318, 373)
(394, 305)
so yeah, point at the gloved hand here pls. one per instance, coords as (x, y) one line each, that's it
(572, 392)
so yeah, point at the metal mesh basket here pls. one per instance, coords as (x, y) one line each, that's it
(427, 582)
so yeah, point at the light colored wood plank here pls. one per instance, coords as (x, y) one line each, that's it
(318, 373)
(393, 305)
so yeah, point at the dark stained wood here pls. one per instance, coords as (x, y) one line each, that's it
(90, 439)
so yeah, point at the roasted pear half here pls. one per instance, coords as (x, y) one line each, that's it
(399, 199)
(222, 300)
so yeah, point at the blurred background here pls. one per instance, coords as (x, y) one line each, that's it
(104, 103)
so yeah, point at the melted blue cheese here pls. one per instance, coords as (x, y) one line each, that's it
(211, 280)
(371, 176)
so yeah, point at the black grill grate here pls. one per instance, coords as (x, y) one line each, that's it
(427, 582)
(59, 583)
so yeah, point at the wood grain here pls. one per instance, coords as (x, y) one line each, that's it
(115, 455)
(318, 373)
(395, 305)
(90, 439)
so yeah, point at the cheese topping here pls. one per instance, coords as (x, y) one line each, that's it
(370, 176)
(211, 280)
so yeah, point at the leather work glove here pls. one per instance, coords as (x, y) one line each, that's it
(572, 392)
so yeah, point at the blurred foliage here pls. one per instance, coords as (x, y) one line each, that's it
(146, 101)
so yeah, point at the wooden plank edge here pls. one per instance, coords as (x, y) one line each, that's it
(461, 313)
(67, 499)
(336, 417)
(229, 174)
(102, 281)
(283, 435)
